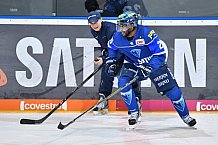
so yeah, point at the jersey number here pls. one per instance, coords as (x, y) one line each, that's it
(160, 43)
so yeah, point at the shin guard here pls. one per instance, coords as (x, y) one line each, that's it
(178, 101)
(128, 95)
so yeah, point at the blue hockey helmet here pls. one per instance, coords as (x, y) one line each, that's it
(127, 18)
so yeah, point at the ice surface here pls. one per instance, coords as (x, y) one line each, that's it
(111, 129)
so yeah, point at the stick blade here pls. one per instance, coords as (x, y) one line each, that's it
(30, 121)
(61, 126)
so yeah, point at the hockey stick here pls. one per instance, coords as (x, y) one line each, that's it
(36, 95)
(39, 121)
(62, 126)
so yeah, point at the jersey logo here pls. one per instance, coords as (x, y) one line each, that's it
(180, 104)
(136, 52)
(127, 96)
(151, 34)
(140, 41)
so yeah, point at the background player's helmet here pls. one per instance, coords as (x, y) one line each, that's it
(127, 18)
(91, 5)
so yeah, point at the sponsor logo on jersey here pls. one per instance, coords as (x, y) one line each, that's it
(151, 34)
(140, 41)
(40, 106)
(144, 60)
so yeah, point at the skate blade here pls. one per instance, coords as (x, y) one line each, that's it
(99, 113)
(96, 113)
(104, 111)
(140, 119)
(133, 127)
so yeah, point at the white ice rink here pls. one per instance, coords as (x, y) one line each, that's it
(155, 129)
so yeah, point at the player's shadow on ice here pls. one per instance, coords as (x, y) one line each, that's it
(173, 132)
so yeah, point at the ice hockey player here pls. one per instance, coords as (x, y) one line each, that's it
(103, 31)
(145, 56)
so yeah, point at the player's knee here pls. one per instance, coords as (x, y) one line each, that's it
(174, 93)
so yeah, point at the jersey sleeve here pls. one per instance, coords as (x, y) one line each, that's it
(153, 42)
(112, 49)
(156, 47)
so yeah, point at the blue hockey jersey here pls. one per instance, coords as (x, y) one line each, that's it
(144, 49)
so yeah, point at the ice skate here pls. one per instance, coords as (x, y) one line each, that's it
(102, 108)
(133, 119)
(140, 111)
(190, 121)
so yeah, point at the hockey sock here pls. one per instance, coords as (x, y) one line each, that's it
(177, 99)
(128, 95)
(137, 90)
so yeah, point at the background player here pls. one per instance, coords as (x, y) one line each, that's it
(102, 32)
(113, 8)
(145, 56)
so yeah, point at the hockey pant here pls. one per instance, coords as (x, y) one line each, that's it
(106, 83)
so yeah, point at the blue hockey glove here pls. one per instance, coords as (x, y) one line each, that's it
(145, 70)
(111, 67)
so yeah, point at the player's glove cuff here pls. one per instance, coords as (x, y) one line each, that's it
(104, 52)
(145, 70)
(111, 66)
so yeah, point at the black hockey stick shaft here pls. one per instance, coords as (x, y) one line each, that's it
(39, 121)
(62, 126)
(36, 95)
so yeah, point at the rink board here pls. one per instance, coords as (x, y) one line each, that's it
(30, 48)
(47, 58)
(114, 105)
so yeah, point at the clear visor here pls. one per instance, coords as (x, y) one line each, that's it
(123, 27)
